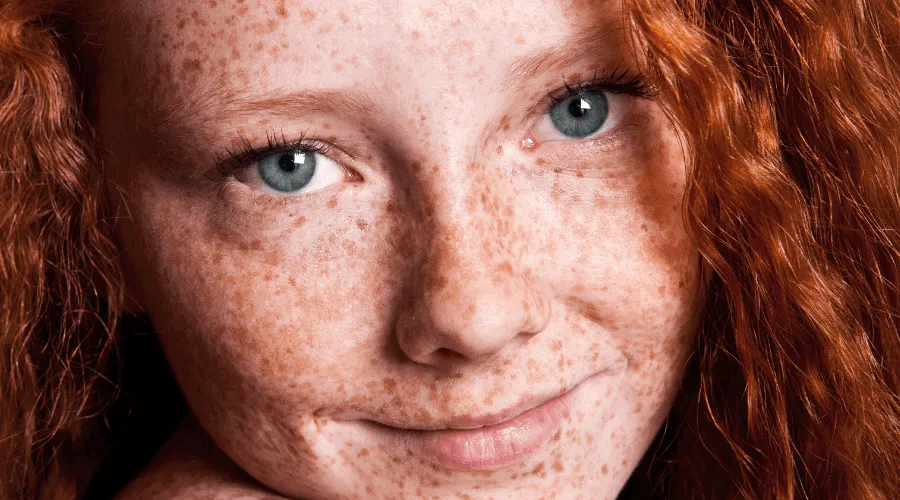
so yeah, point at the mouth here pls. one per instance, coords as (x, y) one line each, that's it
(486, 442)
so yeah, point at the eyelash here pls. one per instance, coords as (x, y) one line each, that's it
(613, 81)
(246, 155)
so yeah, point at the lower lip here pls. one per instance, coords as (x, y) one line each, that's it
(494, 446)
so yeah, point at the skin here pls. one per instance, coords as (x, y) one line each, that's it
(453, 271)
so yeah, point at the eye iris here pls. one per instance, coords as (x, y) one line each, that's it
(580, 115)
(288, 172)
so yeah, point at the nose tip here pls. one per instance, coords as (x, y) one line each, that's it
(459, 317)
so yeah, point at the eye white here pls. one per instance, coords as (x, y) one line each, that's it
(326, 173)
(618, 106)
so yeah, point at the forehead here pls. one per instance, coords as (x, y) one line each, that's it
(339, 42)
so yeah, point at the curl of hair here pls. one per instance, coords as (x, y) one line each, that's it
(61, 295)
(789, 110)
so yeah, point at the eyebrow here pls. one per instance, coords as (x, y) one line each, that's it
(327, 101)
(589, 43)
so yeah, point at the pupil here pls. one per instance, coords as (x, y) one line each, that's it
(286, 163)
(578, 107)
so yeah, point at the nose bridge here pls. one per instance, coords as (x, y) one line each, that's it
(470, 296)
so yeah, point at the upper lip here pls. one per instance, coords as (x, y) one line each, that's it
(475, 422)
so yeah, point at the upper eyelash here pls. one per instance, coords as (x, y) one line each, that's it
(615, 81)
(246, 154)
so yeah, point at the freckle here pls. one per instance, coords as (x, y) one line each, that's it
(644, 227)
(681, 284)
(361, 224)
(338, 67)
(415, 34)
(255, 245)
(300, 221)
(557, 466)
(243, 11)
(500, 149)
(197, 19)
(332, 202)
(280, 9)
(191, 65)
(292, 281)
(308, 15)
(267, 277)
(604, 469)
(540, 161)
(181, 24)
(579, 174)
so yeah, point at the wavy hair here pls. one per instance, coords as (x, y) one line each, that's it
(792, 113)
(60, 287)
(790, 110)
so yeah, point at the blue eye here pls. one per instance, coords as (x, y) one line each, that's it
(289, 171)
(580, 115)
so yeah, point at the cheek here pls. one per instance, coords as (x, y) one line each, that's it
(261, 316)
(621, 258)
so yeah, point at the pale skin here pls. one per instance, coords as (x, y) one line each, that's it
(462, 257)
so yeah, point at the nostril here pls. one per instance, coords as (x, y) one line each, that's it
(449, 355)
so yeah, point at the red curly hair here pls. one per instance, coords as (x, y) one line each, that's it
(789, 110)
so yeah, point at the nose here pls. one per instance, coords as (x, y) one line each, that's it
(469, 298)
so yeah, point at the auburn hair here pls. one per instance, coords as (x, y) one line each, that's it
(790, 113)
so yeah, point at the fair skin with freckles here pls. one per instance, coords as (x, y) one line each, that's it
(460, 258)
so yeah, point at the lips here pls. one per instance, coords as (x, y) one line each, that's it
(497, 445)
(485, 442)
(468, 423)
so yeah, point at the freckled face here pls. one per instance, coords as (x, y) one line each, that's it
(428, 241)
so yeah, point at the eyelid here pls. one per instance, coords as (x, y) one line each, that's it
(620, 106)
(615, 81)
(239, 164)
(247, 155)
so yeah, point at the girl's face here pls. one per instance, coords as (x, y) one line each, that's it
(359, 225)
